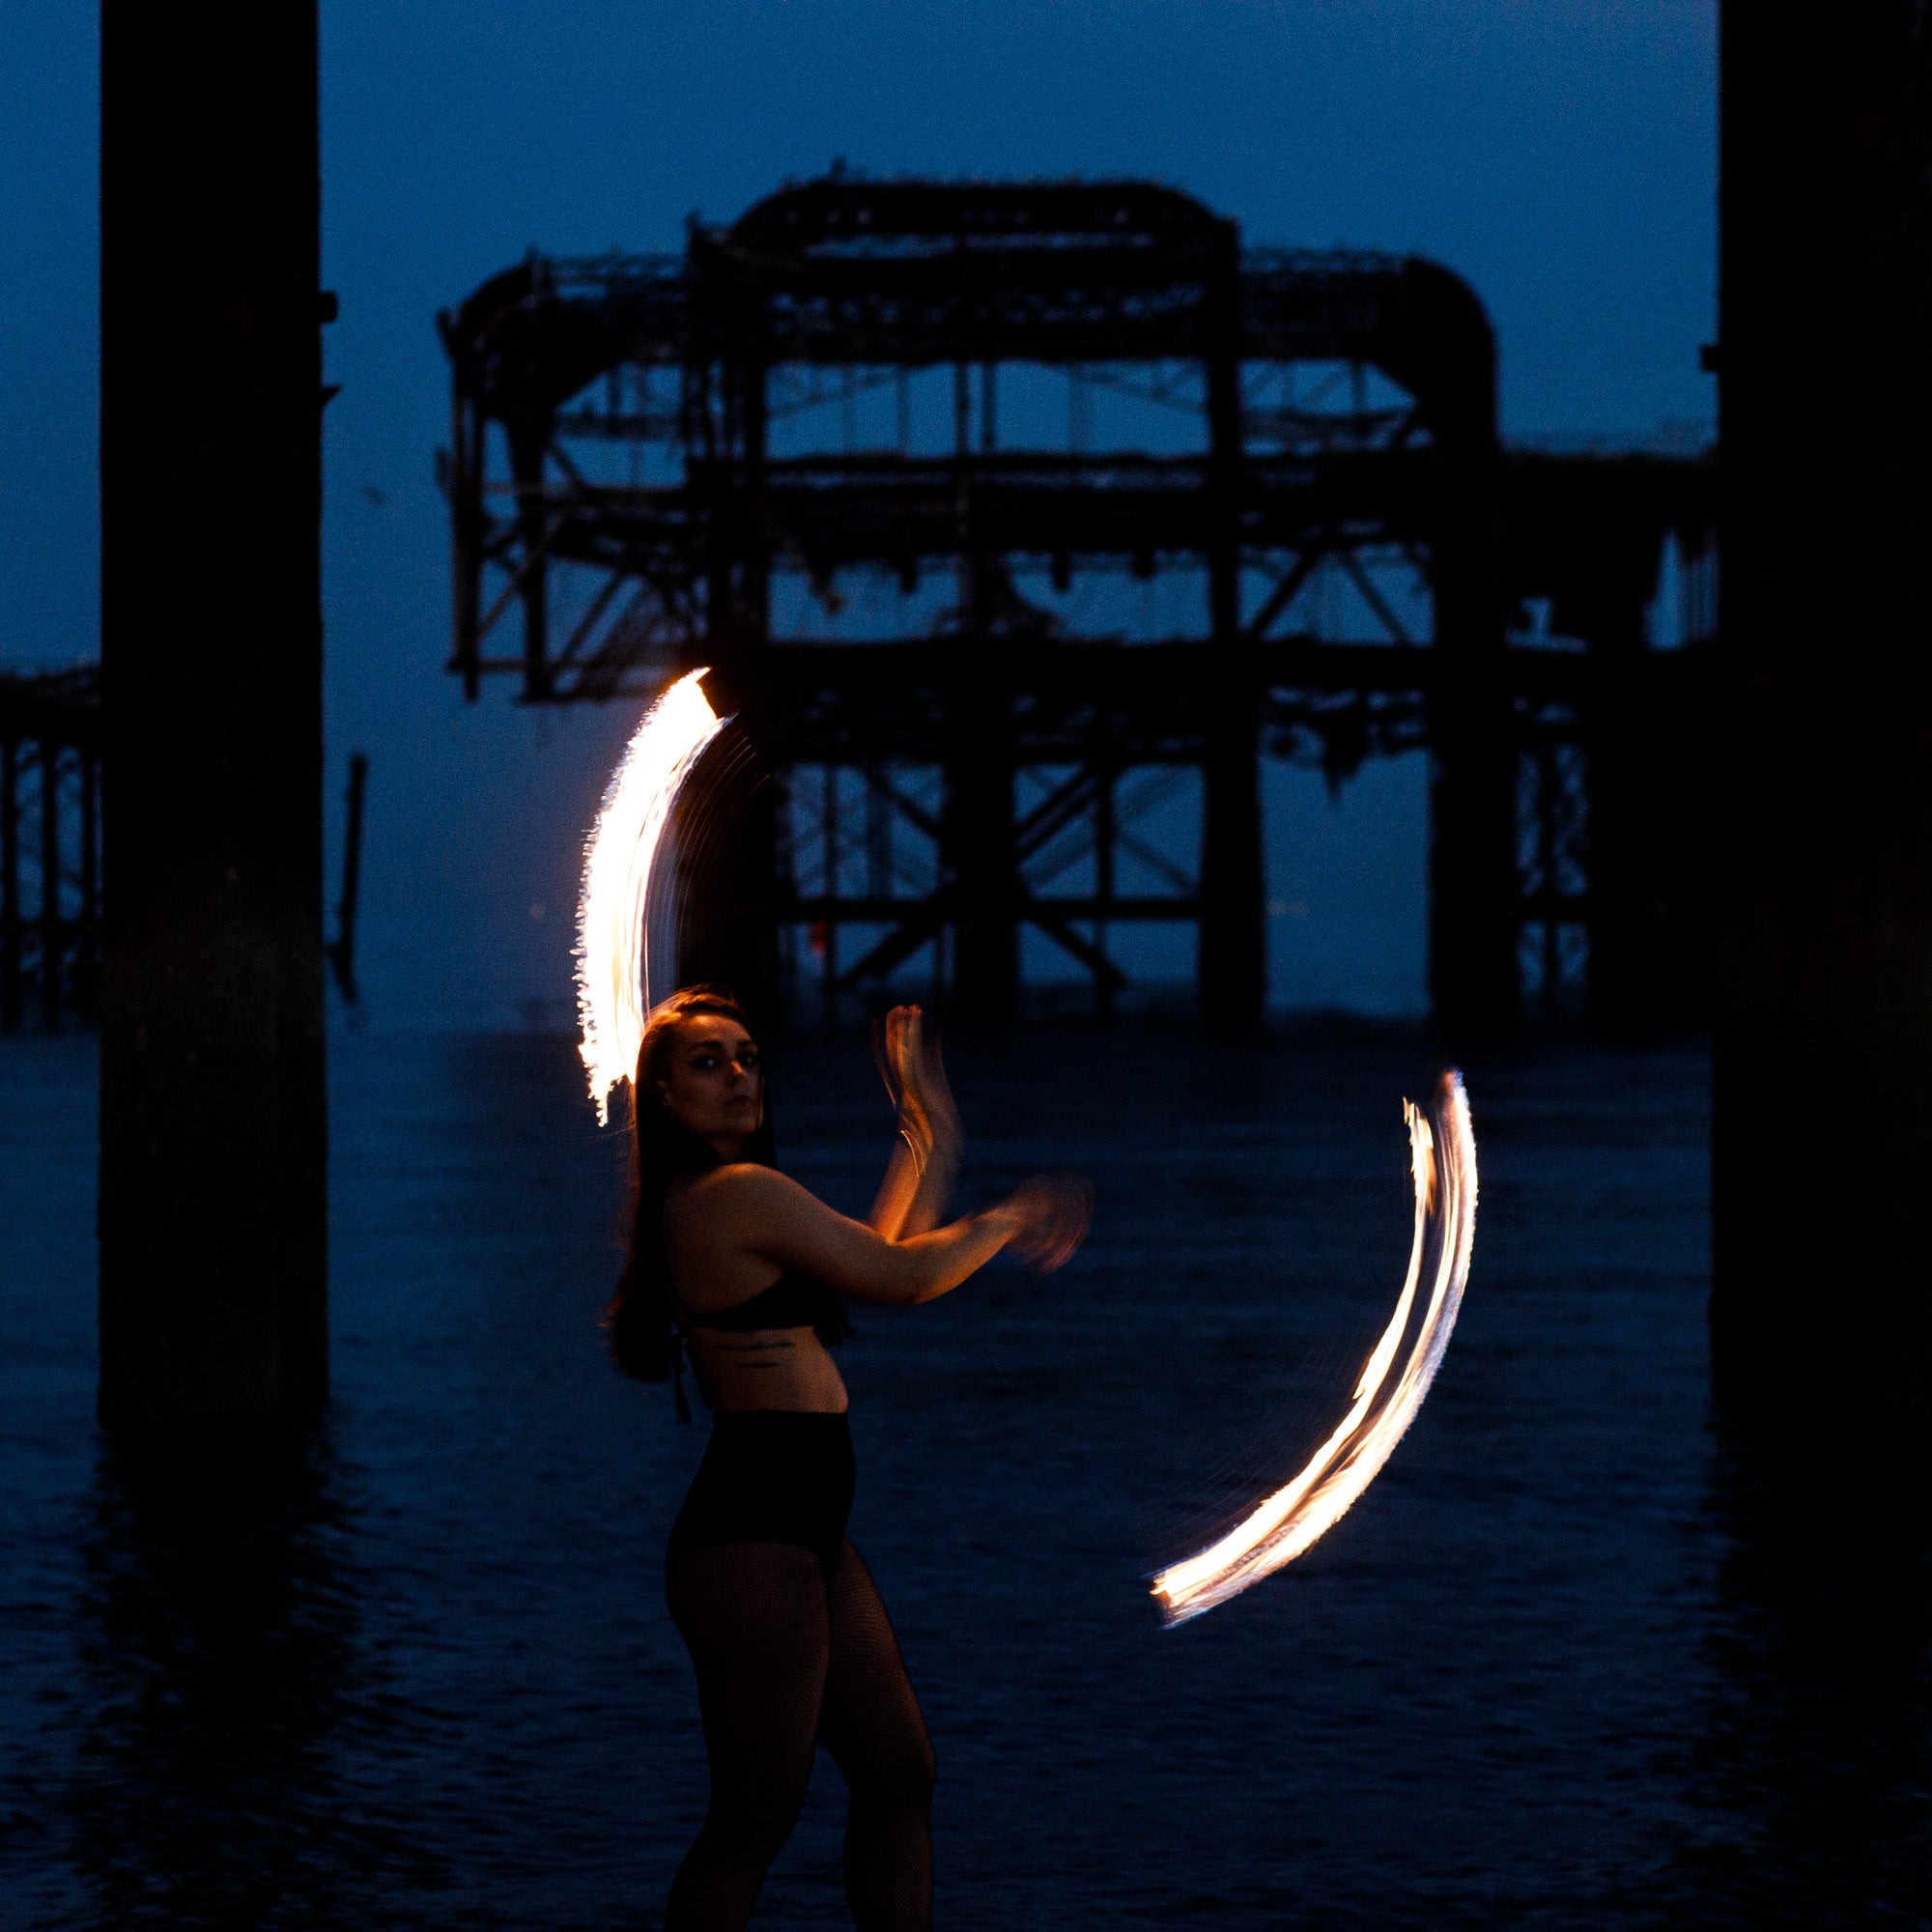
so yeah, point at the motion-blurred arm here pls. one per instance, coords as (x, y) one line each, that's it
(919, 1181)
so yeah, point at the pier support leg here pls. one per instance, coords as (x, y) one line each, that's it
(1629, 992)
(87, 927)
(526, 461)
(52, 936)
(730, 842)
(10, 884)
(212, 1121)
(1822, 1121)
(978, 827)
(1233, 971)
(1473, 895)
(1234, 934)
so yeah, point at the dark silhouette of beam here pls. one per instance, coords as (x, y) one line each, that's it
(1823, 1135)
(341, 951)
(211, 1216)
(830, 286)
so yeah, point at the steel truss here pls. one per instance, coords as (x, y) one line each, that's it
(714, 457)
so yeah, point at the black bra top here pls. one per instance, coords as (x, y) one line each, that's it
(795, 1300)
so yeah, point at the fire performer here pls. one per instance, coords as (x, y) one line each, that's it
(788, 1637)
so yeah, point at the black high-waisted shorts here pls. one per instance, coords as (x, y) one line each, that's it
(769, 1476)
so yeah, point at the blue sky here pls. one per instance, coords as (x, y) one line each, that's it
(1561, 155)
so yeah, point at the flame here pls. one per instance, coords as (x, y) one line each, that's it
(1442, 1164)
(614, 968)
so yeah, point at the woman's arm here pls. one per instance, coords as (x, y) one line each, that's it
(761, 1213)
(926, 1160)
(904, 1171)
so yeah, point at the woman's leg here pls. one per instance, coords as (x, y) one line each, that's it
(871, 1724)
(754, 1615)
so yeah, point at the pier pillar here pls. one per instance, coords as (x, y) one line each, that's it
(1232, 970)
(729, 827)
(87, 927)
(1473, 892)
(1474, 895)
(10, 884)
(53, 933)
(980, 856)
(1822, 1105)
(1233, 937)
(528, 445)
(212, 1104)
(1629, 908)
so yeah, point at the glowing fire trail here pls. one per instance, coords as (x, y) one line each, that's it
(613, 992)
(1442, 1161)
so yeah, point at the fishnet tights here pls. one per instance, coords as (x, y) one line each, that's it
(790, 1655)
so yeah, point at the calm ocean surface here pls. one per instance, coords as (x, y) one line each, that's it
(1566, 1665)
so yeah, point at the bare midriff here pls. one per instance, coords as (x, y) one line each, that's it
(767, 1368)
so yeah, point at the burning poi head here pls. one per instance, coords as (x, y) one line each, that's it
(620, 858)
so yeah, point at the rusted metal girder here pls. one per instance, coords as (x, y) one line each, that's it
(682, 365)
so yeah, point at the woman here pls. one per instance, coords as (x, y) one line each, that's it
(747, 1269)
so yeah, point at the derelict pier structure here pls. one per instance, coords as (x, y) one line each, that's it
(1004, 512)
(49, 847)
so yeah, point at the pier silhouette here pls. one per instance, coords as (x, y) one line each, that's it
(730, 456)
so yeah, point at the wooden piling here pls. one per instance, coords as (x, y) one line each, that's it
(1823, 1130)
(212, 1215)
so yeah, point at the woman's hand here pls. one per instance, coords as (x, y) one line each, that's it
(915, 1077)
(1051, 1213)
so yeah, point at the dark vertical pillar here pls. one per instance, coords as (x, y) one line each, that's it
(753, 955)
(1544, 795)
(212, 1105)
(53, 937)
(729, 934)
(341, 951)
(1233, 971)
(466, 522)
(1680, 735)
(1629, 982)
(528, 445)
(9, 884)
(1474, 904)
(878, 832)
(1823, 1124)
(1105, 829)
(977, 826)
(977, 820)
(86, 926)
(828, 828)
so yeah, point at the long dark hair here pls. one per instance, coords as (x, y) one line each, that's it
(639, 1318)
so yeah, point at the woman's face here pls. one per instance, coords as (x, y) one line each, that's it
(711, 1079)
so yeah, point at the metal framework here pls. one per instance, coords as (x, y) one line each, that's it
(1001, 508)
(49, 847)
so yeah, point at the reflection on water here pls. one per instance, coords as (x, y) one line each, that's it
(1575, 1661)
(1817, 1745)
(218, 1640)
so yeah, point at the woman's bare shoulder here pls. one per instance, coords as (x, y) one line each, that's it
(740, 1186)
(736, 1177)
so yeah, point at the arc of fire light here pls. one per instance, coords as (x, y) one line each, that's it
(1442, 1166)
(620, 857)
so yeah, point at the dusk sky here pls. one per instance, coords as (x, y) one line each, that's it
(1560, 155)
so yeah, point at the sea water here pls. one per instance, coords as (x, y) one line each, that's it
(1558, 1669)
